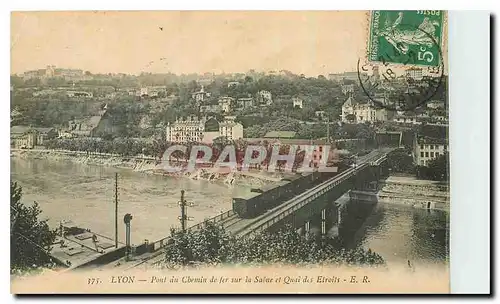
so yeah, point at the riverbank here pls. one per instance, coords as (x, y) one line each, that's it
(150, 165)
(406, 190)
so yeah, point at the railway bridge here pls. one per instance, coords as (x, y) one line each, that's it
(319, 204)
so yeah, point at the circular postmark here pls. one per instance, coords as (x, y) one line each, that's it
(402, 78)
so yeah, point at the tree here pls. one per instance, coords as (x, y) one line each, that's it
(400, 161)
(30, 238)
(438, 168)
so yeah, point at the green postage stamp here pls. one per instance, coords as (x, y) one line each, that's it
(406, 37)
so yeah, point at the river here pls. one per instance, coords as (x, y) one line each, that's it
(85, 194)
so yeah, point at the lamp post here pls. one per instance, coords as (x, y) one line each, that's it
(126, 219)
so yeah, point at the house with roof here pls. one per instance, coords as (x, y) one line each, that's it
(225, 103)
(264, 98)
(362, 111)
(245, 103)
(426, 149)
(230, 129)
(92, 126)
(15, 115)
(297, 102)
(201, 95)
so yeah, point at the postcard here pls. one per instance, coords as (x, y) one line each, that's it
(197, 152)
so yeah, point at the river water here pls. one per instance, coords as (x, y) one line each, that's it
(85, 194)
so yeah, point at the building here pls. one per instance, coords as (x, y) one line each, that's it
(67, 74)
(45, 92)
(213, 108)
(402, 119)
(233, 84)
(278, 138)
(34, 74)
(204, 130)
(230, 129)
(435, 104)
(21, 137)
(92, 126)
(414, 73)
(225, 103)
(347, 89)
(245, 103)
(52, 72)
(26, 137)
(320, 114)
(349, 76)
(186, 130)
(264, 98)
(79, 94)
(297, 102)
(360, 112)
(143, 92)
(201, 95)
(427, 149)
(110, 95)
(15, 115)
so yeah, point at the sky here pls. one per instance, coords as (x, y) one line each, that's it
(309, 42)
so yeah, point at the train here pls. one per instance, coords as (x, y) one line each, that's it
(259, 200)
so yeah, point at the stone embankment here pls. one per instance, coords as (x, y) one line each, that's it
(149, 165)
(416, 193)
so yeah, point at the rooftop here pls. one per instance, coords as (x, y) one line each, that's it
(78, 247)
(431, 140)
(280, 134)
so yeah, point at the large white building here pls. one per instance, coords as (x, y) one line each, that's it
(357, 112)
(230, 129)
(186, 130)
(204, 130)
(426, 149)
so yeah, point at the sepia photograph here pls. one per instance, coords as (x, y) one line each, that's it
(229, 152)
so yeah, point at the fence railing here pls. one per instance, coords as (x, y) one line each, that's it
(168, 240)
(306, 197)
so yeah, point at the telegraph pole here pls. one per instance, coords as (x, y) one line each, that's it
(116, 210)
(183, 212)
(327, 129)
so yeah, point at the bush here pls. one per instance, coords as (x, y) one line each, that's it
(30, 238)
(213, 245)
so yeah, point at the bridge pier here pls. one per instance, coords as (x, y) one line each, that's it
(363, 196)
(332, 220)
(316, 225)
